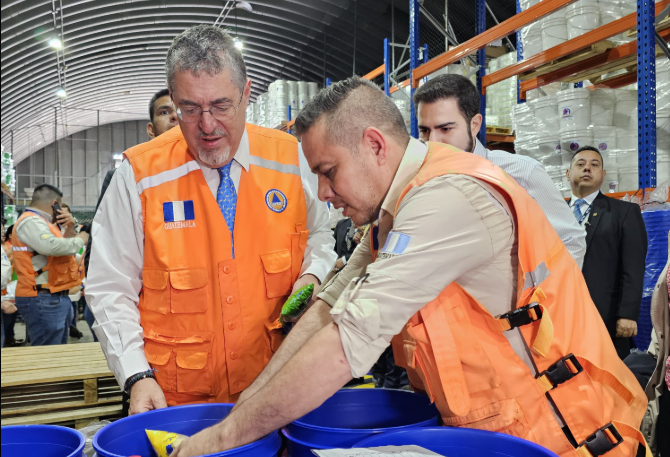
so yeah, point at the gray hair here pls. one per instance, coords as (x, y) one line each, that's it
(205, 48)
(348, 108)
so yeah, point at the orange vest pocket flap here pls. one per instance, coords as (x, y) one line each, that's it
(276, 262)
(188, 279)
(157, 354)
(155, 279)
(192, 359)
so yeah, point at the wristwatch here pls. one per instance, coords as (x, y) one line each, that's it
(137, 377)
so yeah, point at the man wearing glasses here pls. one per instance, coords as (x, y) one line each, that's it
(216, 223)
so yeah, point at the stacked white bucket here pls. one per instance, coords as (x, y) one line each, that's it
(271, 107)
(502, 95)
(8, 176)
(570, 22)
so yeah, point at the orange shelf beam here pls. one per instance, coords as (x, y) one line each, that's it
(611, 55)
(400, 85)
(569, 47)
(374, 73)
(501, 30)
(618, 81)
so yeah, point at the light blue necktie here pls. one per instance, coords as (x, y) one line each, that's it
(578, 212)
(226, 197)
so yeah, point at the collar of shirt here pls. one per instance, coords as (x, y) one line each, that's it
(46, 216)
(480, 150)
(409, 166)
(588, 199)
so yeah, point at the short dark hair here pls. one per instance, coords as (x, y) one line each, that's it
(9, 231)
(157, 95)
(445, 87)
(45, 192)
(349, 107)
(586, 148)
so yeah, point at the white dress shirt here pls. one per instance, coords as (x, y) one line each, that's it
(117, 257)
(530, 174)
(6, 269)
(584, 207)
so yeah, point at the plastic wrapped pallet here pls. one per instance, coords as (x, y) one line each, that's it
(404, 107)
(8, 176)
(262, 102)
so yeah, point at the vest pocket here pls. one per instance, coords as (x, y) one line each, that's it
(277, 273)
(189, 291)
(274, 334)
(504, 416)
(156, 294)
(183, 362)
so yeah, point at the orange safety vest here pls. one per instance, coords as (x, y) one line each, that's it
(455, 350)
(63, 270)
(209, 319)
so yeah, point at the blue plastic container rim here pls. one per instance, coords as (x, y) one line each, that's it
(70, 431)
(303, 443)
(377, 440)
(246, 447)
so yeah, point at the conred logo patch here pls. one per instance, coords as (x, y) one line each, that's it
(276, 200)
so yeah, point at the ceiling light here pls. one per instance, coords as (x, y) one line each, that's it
(60, 92)
(244, 6)
(238, 44)
(55, 43)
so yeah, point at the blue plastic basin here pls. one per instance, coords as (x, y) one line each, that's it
(352, 415)
(460, 442)
(127, 436)
(41, 441)
(297, 448)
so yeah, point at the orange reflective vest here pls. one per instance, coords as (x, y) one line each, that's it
(455, 350)
(208, 318)
(63, 270)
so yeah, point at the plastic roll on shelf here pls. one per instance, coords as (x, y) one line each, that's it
(574, 108)
(627, 158)
(303, 94)
(628, 179)
(625, 110)
(545, 113)
(553, 159)
(610, 10)
(571, 141)
(582, 19)
(662, 83)
(312, 89)
(604, 138)
(554, 31)
(523, 121)
(528, 148)
(663, 128)
(293, 96)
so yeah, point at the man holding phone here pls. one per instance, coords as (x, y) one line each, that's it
(45, 265)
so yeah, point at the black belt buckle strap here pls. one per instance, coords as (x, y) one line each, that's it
(561, 372)
(601, 441)
(522, 316)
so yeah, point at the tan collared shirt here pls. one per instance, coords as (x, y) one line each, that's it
(456, 228)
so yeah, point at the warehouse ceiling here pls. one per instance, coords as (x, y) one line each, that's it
(113, 52)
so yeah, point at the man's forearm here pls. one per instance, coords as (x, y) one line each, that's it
(316, 318)
(316, 372)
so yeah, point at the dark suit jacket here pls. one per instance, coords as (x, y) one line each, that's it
(340, 234)
(105, 185)
(616, 248)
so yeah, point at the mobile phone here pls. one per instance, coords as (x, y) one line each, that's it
(56, 207)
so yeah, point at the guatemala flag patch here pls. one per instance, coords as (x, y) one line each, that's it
(178, 211)
(396, 243)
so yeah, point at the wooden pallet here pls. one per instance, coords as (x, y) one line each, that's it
(67, 384)
(498, 130)
(570, 59)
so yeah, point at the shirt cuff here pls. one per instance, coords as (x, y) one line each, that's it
(317, 269)
(129, 364)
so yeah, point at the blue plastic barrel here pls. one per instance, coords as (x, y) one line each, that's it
(128, 437)
(41, 441)
(460, 442)
(352, 415)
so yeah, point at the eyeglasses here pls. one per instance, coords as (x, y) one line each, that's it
(219, 112)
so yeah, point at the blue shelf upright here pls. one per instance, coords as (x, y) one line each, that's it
(413, 58)
(519, 55)
(480, 27)
(388, 66)
(646, 93)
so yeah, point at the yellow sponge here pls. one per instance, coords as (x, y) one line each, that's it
(164, 443)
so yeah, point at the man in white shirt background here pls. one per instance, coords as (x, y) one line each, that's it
(616, 247)
(447, 110)
(210, 90)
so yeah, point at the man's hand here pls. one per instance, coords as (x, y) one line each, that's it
(305, 280)
(146, 395)
(208, 441)
(339, 264)
(8, 307)
(626, 328)
(83, 236)
(358, 237)
(65, 219)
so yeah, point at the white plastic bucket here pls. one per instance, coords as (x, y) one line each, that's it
(625, 111)
(628, 179)
(604, 138)
(293, 96)
(627, 158)
(663, 128)
(545, 111)
(527, 148)
(571, 141)
(553, 159)
(611, 182)
(662, 83)
(531, 37)
(580, 20)
(625, 139)
(554, 31)
(602, 107)
(574, 109)
(303, 94)
(549, 145)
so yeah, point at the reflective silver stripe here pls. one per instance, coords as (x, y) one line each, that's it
(534, 278)
(276, 166)
(167, 176)
(18, 248)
